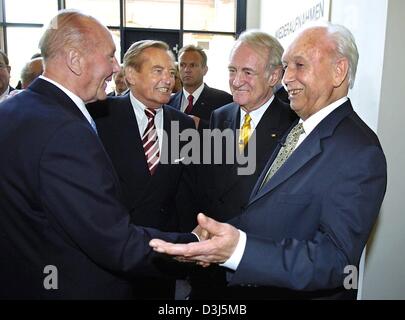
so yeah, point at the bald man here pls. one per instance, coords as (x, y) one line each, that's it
(32, 70)
(64, 232)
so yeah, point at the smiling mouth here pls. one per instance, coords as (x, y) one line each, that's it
(164, 90)
(294, 92)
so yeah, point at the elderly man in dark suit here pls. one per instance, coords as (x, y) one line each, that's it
(254, 69)
(315, 203)
(150, 179)
(64, 231)
(197, 99)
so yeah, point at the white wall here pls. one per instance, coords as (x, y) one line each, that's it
(366, 19)
(385, 265)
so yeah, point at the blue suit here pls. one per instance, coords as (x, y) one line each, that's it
(314, 216)
(60, 205)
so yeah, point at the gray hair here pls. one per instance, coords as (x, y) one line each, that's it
(29, 73)
(346, 47)
(133, 57)
(66, 29)
(199, 50)
(263, 43)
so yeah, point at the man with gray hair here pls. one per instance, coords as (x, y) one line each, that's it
(314, 205)
(136, 130)
(254, 69)
(64, 231)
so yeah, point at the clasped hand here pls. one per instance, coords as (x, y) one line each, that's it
(217, 243)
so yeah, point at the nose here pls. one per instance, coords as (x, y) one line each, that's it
(116, 66)
(167, 76)
(237, 79)
(288, 76)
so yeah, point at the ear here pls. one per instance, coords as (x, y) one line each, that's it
(74, 61)
(130, 76)
(205, 70)
(275, 77)
(341, 69)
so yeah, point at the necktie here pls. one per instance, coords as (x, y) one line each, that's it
(190, 104)
(244, 133)
(285, 151)
(150, 142)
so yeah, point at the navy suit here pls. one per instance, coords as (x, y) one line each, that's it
(225, 193)
(151, 200)
(315, 214)
(60, 205)
(209, 100)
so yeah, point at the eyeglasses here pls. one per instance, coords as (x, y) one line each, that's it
(3, 65)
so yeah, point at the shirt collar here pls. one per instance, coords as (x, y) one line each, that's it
(196, 93)
(317, 117)
(139, 107)
(256, 114)
(77, 100)
(5, 94)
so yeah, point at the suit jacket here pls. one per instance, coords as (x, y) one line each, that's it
(314, 216)
(60, 205)
(226, 193)
(209, 100)
(149, 199)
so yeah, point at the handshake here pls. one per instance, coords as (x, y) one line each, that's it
(217, 243)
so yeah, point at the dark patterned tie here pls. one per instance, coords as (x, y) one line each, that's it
(285, 151)
(150, 142)
(190, 104)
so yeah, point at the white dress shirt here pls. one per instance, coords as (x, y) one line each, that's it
(196, 95)
(255, 115)
(309, 125)
(5, 94)
(142, 119)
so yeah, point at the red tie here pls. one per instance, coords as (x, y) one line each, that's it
(150, 142)
(190, 104)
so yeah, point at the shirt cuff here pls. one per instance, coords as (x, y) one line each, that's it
(198, 238)
(234, 260)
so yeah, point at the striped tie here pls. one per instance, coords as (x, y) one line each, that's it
(150, 142)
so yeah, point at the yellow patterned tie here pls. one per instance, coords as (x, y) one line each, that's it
(245, 132)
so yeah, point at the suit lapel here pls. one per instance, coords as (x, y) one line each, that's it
(45, 88)
(266, 129)
(135, 154)
(227, 175)
(308, 149)
(176, 102)
(200, 103)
